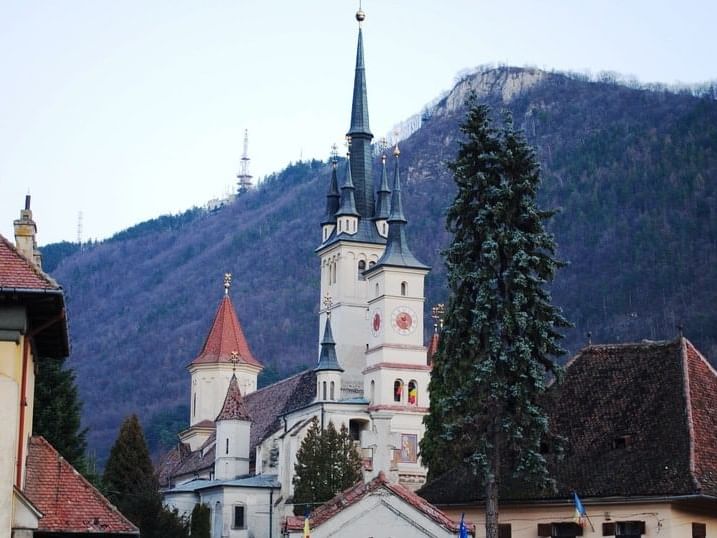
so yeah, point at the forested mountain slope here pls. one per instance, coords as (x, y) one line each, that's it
(632, 171)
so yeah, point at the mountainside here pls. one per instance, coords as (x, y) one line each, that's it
(632, 171)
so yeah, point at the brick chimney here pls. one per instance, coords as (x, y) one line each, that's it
(25, 230)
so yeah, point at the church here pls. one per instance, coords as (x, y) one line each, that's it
(371, 375)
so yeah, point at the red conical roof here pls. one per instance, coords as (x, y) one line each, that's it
(234, 407)
(225, 338)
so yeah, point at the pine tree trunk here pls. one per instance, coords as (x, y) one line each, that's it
(491, 491)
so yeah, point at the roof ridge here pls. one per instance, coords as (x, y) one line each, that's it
(297, 374)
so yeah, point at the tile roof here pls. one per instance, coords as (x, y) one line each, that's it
(357, 492)
(226, 337)
(265, 407)
(69, 503)
(234, 407)
(639, 420)
(16, 271)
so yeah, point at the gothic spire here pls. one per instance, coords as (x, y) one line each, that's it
(332, 197)
(348, 202)
(327, 357)
(397, 253)
(360, 133)
(383, 201)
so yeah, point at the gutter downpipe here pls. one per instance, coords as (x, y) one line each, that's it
(271, 512)
(23, 405)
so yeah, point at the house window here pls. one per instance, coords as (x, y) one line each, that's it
(559, 530)
(404, 288)
(699, 530)
(239, 517)
(504, 530)
(412, 392)
(361, 269)
(624, 529)
(397, 390)
(332, 391)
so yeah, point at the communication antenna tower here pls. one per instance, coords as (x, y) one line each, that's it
(244, 177)
(79, 229)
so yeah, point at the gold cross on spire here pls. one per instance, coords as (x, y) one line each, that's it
(227, 283)
(437, 313)
(327, 304)
(234, 360)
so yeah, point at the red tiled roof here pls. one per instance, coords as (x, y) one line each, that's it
(234, 407)
(702, 382)
(432, 347)
(357, 492)
(69, 503)
(225, 337)
(16, 271)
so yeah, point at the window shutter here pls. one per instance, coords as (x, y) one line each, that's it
(545, 529)
(504, 530)
(699, 530)
(608, 529)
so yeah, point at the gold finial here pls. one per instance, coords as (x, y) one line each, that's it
(437, 313)
(234, 360)
(396, 151)
(327, 304)
(360, 15)
(334, 153)
(227, 283)
(383, 158)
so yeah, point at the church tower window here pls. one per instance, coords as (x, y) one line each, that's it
(412, 392)
(404, 288)
(194, 405)
(361, 269)
(372, 393)
(323, 390)
(239, 517)
(331, 391)
(397, 390)
(226, 449)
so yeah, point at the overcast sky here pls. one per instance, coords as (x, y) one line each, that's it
(126, 110)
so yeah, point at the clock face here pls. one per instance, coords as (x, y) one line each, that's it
(403, 320)
(376, 323)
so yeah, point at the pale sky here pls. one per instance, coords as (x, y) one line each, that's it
(129, 109)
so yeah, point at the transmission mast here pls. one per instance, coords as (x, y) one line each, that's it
(79, 229)
(244, 177)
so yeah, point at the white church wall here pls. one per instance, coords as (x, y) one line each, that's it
(258, 512)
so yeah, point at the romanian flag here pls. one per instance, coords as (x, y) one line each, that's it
(462, 530)
(580, 514)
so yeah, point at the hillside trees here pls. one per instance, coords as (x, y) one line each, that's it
(501, 331)
(326, 463)
(133, 487)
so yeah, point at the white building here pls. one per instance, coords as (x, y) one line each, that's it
(372, 375)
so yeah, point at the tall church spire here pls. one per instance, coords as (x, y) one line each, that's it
(360, 133)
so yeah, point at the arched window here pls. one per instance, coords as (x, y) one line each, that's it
(412, 393)
(361, 269)
(318, 389)
(372, 394)
(376, 289)
(333, 272)
(404, 288)
(323, 390)
(371, 264)
(226, 450)
(194, 402)
(397, 390)
(331, 393)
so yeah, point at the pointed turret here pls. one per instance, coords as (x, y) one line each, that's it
(327, 356)
(234, 407)
(328, 370)
(360, 133)
(348, 201)
(332, 198)
(397, 253)
(233, 423)
(383, 201)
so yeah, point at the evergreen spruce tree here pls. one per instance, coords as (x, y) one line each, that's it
(57, 410)
(326, 463)
(501, 332)
(133, 487)
(200, 525)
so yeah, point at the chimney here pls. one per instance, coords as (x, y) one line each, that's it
(25, 230)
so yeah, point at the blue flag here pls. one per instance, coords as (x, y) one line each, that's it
(580, 513)
(462, 530)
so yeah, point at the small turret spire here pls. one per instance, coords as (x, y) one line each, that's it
(332, 197)
(327, 356)
(348, 201)
(396, 215)
(383, 200)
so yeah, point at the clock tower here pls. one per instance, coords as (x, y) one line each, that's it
(397, 374)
